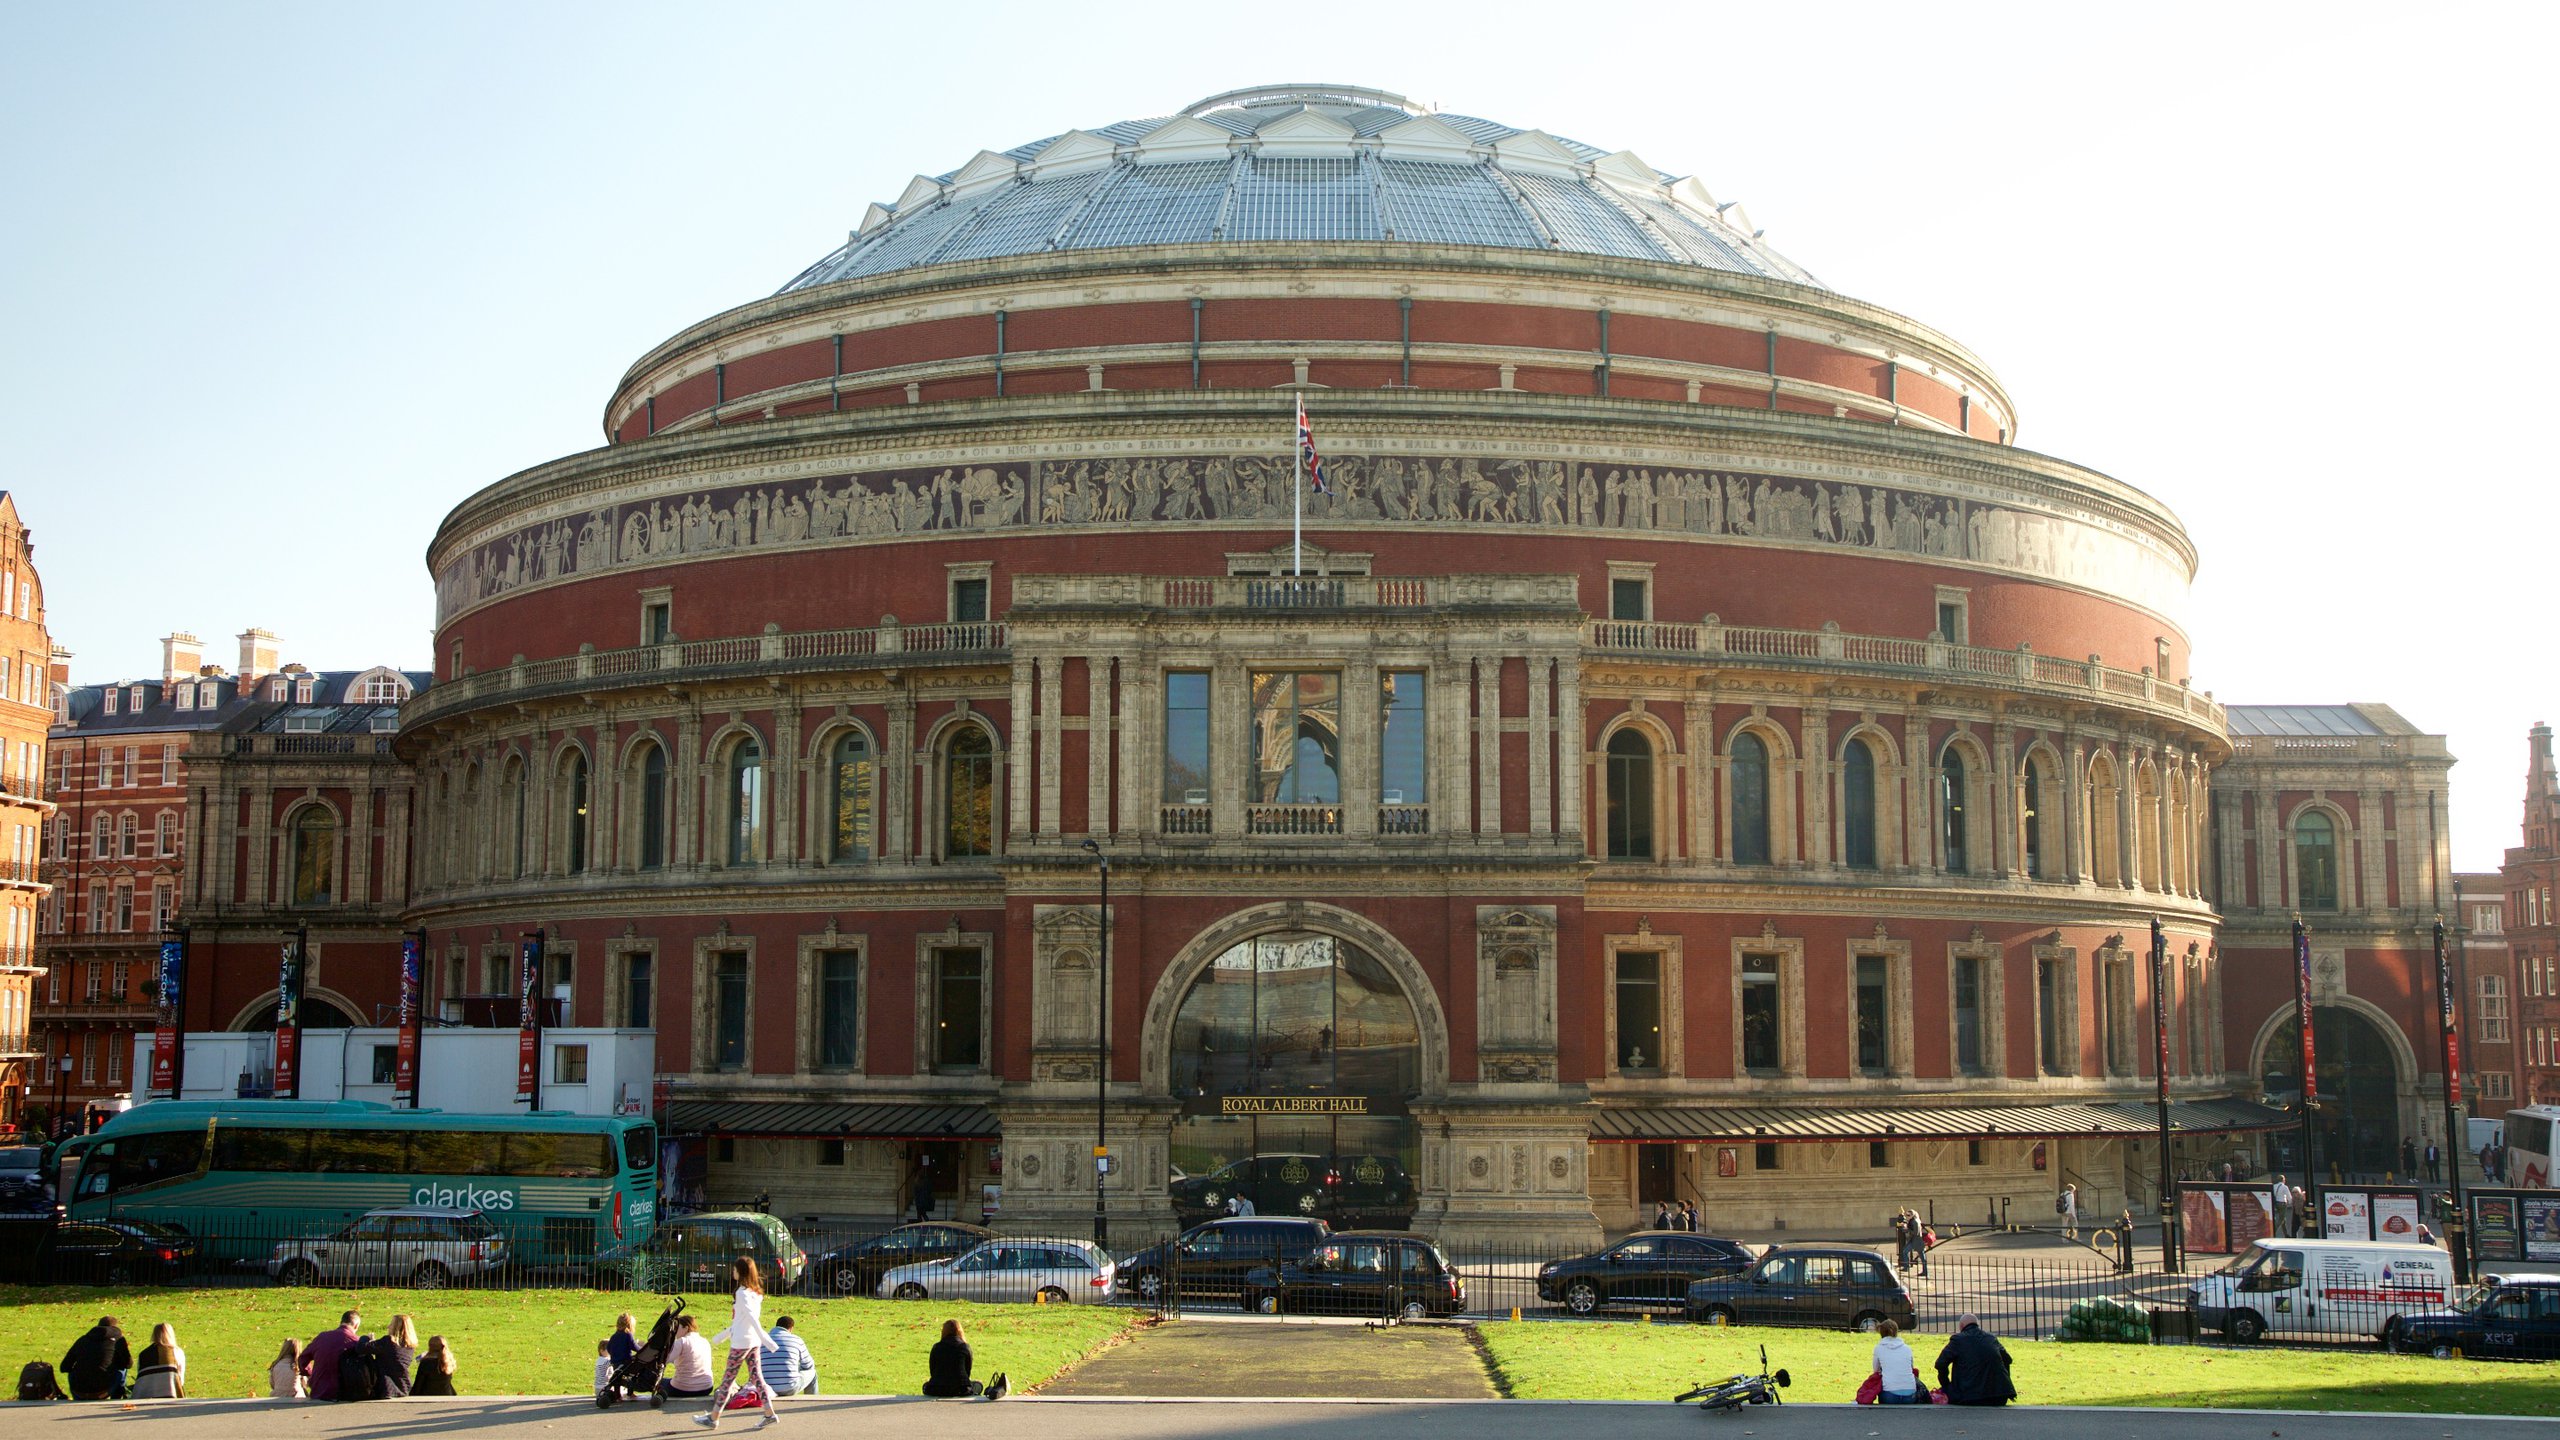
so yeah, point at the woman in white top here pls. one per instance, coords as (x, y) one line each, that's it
(1901, 1374)
(163, 1367)
(284, 1377)
(688, 1369)
(747, 1341)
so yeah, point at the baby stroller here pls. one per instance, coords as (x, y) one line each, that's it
(639, 1374)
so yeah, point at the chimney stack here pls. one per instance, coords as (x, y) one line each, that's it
(258, 652)
(181, 655)
(59, 666)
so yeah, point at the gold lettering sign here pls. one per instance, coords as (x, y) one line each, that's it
(1293, 1104)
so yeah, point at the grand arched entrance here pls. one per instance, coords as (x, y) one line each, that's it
(2358, 1122)
(1295, 1059)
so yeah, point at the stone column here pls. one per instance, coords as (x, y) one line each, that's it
(689, 786)
(2127, 869)
(1488, 744)
(1572, 745)
(1542, 820)
(2007, 854)
(1359, 748)
(2373, 879)
(784, 769)
(1231, 757)
(1919, 813)
(1139, 733)
(2270, 833)
(1053, 732)
(1814, 736)
(2077, 841)
(1026, 669)
(359, 871)
(1101, 743)
(1698, 733)
(897, 779)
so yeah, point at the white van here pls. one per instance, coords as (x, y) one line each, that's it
(2321, 1287)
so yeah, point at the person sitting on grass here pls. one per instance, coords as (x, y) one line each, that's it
(435, 1369)
(94, 1367)
(163, 1368)
(948, 1368)
(1895, 1366)
(622, 1344)
(284, 1377)
(1974, 1368)
(688, 1371)
(394, 1353)
(320, 1357)
(789, 1368)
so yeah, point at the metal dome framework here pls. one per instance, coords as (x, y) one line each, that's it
(1303, 163)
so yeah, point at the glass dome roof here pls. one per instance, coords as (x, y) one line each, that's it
(1301, 163)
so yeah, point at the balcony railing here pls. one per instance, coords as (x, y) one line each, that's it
(1293, 820)
(1831, 646)
(966, 639)
(17, 1042)
(366, 744)
(19, 872)
(1404, 819)
(1184, 820)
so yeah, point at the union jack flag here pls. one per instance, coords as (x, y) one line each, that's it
(1307, 451)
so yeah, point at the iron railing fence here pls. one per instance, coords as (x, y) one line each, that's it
(2057, 1294)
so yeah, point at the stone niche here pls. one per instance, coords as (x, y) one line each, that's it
(1516, 994)
(1066, 973)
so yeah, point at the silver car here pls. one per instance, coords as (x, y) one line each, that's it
(1017, 1268)
(422, 1246)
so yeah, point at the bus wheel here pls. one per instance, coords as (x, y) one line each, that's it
(430, 1276)
(299, 1272)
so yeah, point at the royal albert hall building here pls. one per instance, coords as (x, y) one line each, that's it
(1696, 754)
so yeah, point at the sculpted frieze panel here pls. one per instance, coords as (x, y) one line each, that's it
(1469, 491)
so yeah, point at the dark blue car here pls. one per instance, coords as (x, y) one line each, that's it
(2504, 1317)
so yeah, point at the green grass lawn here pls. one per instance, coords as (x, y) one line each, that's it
(1559, 1361)
(542, 1342)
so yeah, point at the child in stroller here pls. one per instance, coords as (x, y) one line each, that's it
(639, 1374)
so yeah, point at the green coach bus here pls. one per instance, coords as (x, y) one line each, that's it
(242, 1176)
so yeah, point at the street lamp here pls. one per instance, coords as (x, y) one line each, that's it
(62, 1088)
(1102, 1053)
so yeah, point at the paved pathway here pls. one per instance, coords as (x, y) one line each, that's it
(1270, 1419)
(1269, 1358)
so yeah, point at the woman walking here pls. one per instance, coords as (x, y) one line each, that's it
(747, 1341)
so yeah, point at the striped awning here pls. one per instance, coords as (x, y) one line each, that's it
(832, 1121)
(1629, 1124)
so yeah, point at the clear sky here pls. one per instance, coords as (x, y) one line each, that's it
(283, 283)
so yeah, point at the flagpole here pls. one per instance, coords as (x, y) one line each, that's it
(1297, 492)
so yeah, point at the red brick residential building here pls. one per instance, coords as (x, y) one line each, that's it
(144, 771)
(2485, 974)
(23, 810)
(2532, 878)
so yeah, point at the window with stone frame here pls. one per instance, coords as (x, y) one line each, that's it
(1629, 796)
(1763, 1014)
(959, 997)
(1637, 979)
(2057, 1013)
(850, 799)
(1747, 774)
(969, 794)
(2493, 1010)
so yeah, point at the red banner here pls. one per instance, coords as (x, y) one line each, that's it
(404, 1065)
(2302, 1006)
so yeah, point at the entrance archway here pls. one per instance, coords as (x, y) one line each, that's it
(2361, 1068)
(1294, 1052)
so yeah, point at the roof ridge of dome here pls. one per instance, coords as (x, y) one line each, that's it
(1359, 97)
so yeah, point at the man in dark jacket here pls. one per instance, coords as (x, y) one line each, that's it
(1974, 1368)
(96, 1364)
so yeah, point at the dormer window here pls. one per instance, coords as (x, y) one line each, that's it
(208, 695)
(134, 699)
(386, 724)
(107, 701)
(302, 724)
(275, 688)
(184, 697)
(302, 691)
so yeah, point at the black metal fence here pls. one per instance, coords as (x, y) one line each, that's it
(2076, 1294)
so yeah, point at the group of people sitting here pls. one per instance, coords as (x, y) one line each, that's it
(1973, 1369)
(339, 1364)
(346, 1364)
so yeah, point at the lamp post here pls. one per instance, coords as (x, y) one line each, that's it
(1102, 1053)
(62, 1087)
(2169, 1246)
(2309, 1095)
(2455, 1238)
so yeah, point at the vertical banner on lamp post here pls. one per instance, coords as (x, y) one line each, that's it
(2302, 1012)
(169, 1034)
(528, 1019)
(2452, 1036)
(2160, 1009)
(404, 1067)
(288, 1081)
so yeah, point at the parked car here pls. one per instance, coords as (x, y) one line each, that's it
(1827, 1286)
(1342, 1190)
(855, 1267)
(22, 1165)
(1013, 1268)
(1213, 1259)
(692, 1254)
(118, 1252)
(1360, 1272)
(1650, 1267)
(429, 1247)
(2505, 1317)
(2322, 1287)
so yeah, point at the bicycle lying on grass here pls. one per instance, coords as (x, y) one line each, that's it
(1741, 1390)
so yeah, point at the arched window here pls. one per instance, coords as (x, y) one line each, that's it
(746, 802)
(1630, 796)
(969, 795)
(315, 856)
(1858, 806)
(573, 815)
(2031, 817)
(652, 810)
(2315, 860)
(1951, 793)
(849, 798)
(1750, 786)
